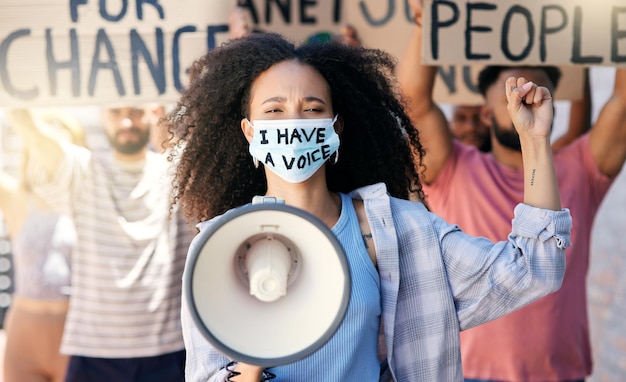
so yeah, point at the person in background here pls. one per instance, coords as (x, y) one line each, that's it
(123, 322)
(547, 340)
(350, 36)
(425, 279)
(42, 240)
(467, 127)
(239, 24)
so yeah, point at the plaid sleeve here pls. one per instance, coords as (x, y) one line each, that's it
(489, 280)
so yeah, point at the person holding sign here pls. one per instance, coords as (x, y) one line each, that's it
(123, 322)
(42, 241)
(422, 278)
(547, 340)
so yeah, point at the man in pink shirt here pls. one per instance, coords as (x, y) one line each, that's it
(547, 340)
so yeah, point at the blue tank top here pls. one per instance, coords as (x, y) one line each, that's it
(351, 354)
(41, 254)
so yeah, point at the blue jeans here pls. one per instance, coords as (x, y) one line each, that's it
(163, 368)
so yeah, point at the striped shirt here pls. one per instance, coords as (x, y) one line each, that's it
(128, 262)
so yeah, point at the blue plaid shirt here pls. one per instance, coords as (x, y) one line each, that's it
(435, 282)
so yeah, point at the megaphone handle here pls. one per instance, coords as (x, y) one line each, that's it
(266, 375)
(230, 367)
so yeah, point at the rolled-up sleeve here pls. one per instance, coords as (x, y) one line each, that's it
(536, 223)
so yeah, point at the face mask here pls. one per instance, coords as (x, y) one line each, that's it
(294, 149)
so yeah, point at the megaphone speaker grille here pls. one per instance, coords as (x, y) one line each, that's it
(277, 332)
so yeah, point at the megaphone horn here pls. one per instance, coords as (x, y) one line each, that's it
(267, 284)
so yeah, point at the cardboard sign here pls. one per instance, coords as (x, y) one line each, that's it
(556, 32)
(67, 52)
(86, 52)
(77, 52)
(389, 24)
(297, 20)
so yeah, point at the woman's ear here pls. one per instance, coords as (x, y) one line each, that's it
(339, 125)
(248, 130)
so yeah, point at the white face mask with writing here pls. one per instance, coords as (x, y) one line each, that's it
(294, 149)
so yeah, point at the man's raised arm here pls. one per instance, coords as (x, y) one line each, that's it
(416, 84)
(608, 135)
(42, 146)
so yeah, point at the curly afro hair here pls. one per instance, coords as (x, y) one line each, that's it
(215, 172)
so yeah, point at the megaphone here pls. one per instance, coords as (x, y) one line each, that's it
(268, 284)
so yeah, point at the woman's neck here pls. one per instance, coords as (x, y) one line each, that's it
(312, 196)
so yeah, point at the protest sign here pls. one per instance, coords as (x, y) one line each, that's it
(67, 52)
(85, 52)
(556, 32)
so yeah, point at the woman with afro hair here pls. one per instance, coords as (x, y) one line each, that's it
(321, 127)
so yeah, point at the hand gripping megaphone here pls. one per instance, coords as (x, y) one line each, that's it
(268, 284)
